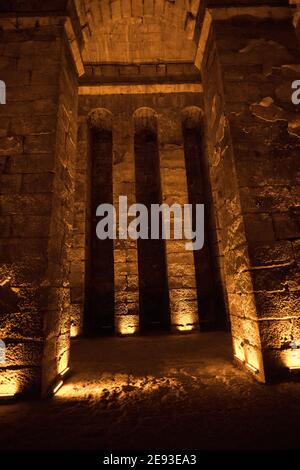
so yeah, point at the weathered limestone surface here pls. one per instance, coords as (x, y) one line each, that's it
(228, 220)
(125, 250)
(80, 223)
(125, 253)
(37, 150)
(139, 31)
(252, 130)
(180, 262)
(259, 181)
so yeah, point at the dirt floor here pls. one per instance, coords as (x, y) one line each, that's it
(156, 392)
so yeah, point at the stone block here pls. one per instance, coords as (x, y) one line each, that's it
(41, 143)
(296, 248)
(265, 199)
(10, 184)
(33, 163)
(277, 304)
(259, 228)
(23, 354)
(242, 305)
(37, 183)
(270, 254)
(5, 226)
(270, 279)
(37, 204)
(30, 226)
(276, 334)
(21, 325)
(148, 70)
(11, 146)
(287, 224)
(128, 70)
(246, 329)
(25, 125)
(23, 381)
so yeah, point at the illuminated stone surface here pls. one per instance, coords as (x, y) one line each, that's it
(172, 393)
(235, 64)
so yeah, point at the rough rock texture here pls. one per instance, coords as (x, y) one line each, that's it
(227, 213)
(248, 60)
(260, 223)
(174, 392)
(139, 31)
(183, 296)
(37, 149)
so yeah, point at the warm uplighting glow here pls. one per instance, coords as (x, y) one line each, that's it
(63, 363)
(291, 359)
(60, 383)
(7, 395)
(128, 330)
(294, 369)
(120, 386)
(127, 325)
(57, 387)
(186, 318)
(10, 384)
(252, 358)
(246, 355)
(9, 389)
(251, 368)
(239, 352)
(74, 331)
(185, 327)
(5, 281)
(64, 372)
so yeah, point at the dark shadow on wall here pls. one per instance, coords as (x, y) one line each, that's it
(209, 292)
(154, 301)
(99, 305)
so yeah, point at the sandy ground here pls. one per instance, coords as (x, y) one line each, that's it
(156, 392)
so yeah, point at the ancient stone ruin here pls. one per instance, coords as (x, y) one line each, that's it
(165, 101)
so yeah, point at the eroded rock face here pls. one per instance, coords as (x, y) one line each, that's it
(37, 149)
(253, 146)
(259, 66)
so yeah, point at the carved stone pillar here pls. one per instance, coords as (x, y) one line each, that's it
(125, 249)
(180, 261)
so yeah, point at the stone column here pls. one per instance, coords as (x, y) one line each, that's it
(79, 248)
(38, 128)
(180, 262)
(125, 249)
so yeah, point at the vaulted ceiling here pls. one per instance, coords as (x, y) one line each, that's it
(128, 31)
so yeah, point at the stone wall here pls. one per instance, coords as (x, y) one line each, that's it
(169, 120)
(248, 60)
(258, 62)
(139, 30)
(81, 220)
(230, 240)
(259, 183)
(37, 149)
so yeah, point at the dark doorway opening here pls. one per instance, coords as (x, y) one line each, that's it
(211, 309)
(154, 299)
(99, 306)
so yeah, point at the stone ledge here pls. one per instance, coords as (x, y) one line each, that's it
(135, 73)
